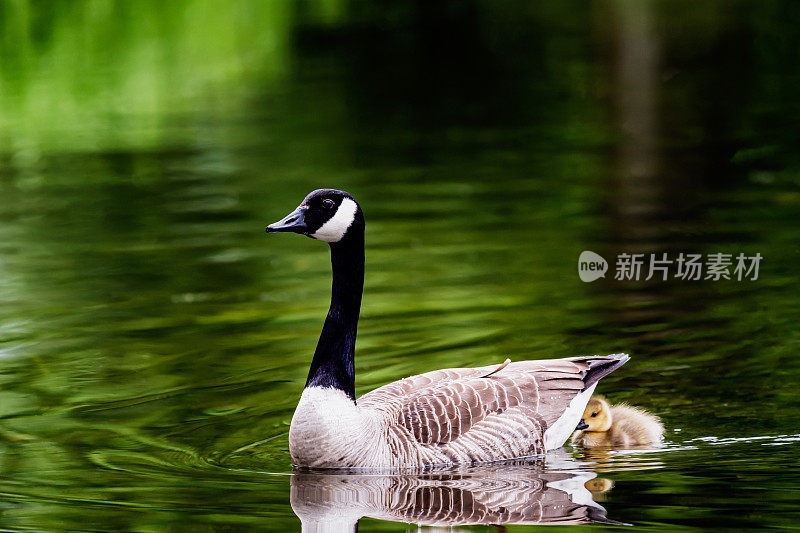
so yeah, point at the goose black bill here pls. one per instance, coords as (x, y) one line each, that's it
(293, 222)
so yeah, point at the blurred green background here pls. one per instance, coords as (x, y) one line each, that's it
(154, 342)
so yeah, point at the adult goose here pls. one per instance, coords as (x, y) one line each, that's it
(444, 417)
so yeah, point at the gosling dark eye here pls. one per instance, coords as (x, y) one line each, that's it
(327, 203)
(594, 415)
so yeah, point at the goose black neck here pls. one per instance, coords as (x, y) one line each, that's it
(333, 364)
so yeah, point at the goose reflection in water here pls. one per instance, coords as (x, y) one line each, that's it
(504, 494)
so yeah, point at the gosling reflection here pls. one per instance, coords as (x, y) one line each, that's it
(519, 494)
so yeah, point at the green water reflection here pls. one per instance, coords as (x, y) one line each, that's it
(154, 342)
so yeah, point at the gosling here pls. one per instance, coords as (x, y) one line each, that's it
(603, 425)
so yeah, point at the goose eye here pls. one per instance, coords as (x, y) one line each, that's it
(327, 203)
(594, 415)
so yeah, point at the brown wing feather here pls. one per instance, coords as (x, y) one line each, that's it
(438, 407)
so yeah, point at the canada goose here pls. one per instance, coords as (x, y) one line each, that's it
(496, 494)
(444, 417)
(618, 425)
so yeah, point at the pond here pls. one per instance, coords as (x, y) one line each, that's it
(154, 341)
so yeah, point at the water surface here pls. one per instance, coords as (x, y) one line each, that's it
(154, 341)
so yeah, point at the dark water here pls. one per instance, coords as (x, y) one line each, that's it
(154, 342)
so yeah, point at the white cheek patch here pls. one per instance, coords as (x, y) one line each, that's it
(335, 228)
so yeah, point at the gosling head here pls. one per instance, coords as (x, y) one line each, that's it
(596, 416)
(325, 214)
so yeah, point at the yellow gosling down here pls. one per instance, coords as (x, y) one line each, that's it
(621, 425)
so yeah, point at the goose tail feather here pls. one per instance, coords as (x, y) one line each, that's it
(600, 367)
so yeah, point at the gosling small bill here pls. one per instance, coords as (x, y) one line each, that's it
(621, 425)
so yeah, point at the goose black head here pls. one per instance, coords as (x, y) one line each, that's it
(325, 214)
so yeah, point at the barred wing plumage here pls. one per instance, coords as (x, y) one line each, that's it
(479, 414)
